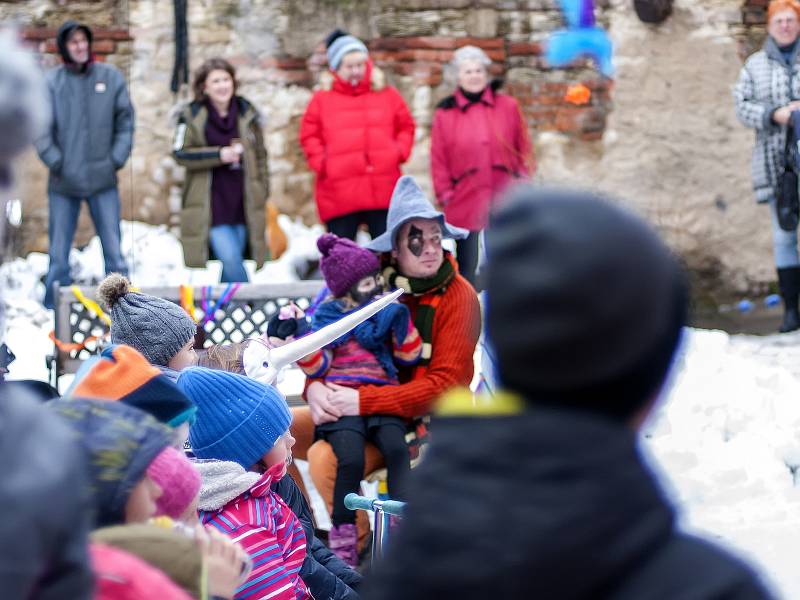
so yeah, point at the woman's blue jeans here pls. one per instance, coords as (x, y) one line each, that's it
(228, 243)
(784, 243)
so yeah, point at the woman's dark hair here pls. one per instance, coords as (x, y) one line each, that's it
(200, 76)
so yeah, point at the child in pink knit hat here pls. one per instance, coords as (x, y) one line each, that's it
(179, 481)
(367, 355)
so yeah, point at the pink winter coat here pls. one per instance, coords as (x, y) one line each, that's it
(476, 151)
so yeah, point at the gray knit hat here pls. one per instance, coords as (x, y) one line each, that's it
(409, 202)
(156, 327)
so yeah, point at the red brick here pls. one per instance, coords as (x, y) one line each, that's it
(497, 55)
(434, 43)
(39, 33)
(383, 55)
(483, 43)
(120, 35)
(104, 46)
(396, 43)
(420, 55)
(495, 69)
(48, 47)
(524, 49)
(417, 69)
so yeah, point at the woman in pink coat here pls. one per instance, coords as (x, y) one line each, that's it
(479, 144)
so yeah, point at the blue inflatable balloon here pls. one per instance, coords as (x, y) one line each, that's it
(745, 306)
(772, 301)
(581, 38)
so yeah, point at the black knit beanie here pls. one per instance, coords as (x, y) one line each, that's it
(585, 304)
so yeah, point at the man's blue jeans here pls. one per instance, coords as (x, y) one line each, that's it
(64, 210)
(228, 244)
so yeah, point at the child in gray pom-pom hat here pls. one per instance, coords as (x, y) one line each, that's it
(161, 330)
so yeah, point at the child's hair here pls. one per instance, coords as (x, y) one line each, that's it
(344, 263)
(238, 418)
(157, 328)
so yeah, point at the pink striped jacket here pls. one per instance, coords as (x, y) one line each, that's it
(273, 537)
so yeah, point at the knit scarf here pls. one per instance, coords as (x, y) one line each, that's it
(431, 289)
(373, 334)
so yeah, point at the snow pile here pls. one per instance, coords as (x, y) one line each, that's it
(726, 442)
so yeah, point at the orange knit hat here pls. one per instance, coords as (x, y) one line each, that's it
(779, 5)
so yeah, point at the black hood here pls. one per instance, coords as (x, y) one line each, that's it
(63, 34)
(514, 507)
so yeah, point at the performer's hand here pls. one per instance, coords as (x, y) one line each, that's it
(322, 411)
(344, 399)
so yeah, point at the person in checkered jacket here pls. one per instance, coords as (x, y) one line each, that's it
(766, 94)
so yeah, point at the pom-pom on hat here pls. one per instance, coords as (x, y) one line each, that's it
(238, 418)
(157, 328)
(178, 479)
(344, 263)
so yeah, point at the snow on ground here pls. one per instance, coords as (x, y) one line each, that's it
(724, 440)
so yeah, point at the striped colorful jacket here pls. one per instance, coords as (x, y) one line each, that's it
(273, 537)
(351, 365)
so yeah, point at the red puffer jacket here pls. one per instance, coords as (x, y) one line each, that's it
(476, 151)
(355, 139)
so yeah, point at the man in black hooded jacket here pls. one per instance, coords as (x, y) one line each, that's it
(540, 491)
(89, 140)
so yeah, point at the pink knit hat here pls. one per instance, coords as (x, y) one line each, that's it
(178, 479)
(344, 263)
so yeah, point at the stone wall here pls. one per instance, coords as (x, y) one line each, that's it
(277, 49)
(671, 146)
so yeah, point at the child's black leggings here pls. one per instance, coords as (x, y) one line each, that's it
(348, 446)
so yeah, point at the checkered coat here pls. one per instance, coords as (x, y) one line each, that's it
(762, 87)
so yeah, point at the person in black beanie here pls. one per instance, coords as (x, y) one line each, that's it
(540, 492)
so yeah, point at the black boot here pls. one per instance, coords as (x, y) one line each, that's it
(789, 282)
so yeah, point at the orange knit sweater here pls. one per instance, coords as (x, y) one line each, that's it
(456, 327)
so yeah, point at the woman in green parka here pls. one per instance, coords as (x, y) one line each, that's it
(220, 142)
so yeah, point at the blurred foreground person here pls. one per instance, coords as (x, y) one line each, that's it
(540, 492)
(43, 550)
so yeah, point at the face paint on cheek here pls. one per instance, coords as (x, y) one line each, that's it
(415, 242)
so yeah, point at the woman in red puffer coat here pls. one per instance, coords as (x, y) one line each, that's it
(479, 145)
(356, 132)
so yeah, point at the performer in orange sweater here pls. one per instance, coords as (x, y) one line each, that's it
(445, 311)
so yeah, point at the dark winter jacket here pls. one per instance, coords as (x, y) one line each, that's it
(477, 149)
(191, 150)
(119, 443)
(355, 138)
(764, 86)
(91, 135)
(545, 504)
(325, 575)
(43, 542)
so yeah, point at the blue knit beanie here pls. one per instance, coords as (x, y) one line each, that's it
(238, 419)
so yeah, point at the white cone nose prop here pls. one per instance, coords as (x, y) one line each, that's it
(278, 358)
